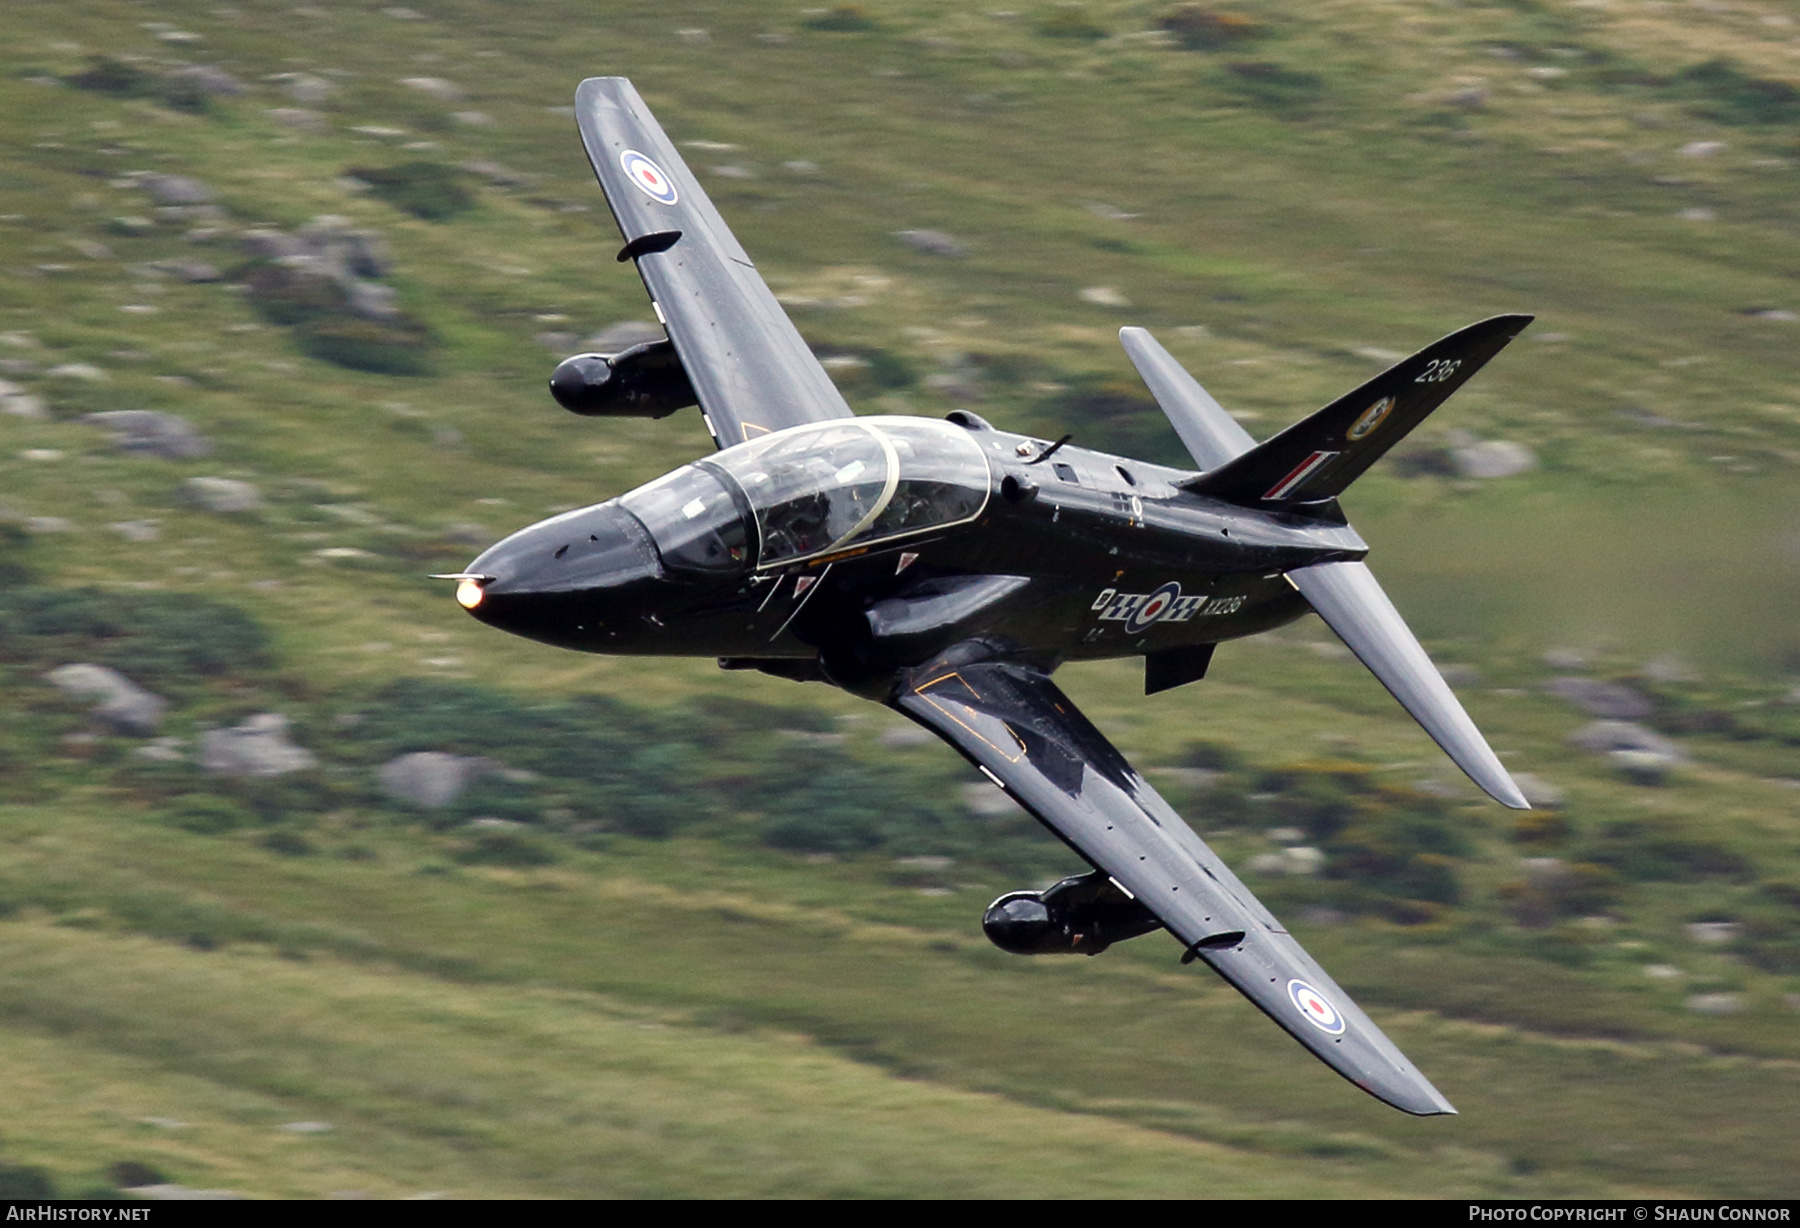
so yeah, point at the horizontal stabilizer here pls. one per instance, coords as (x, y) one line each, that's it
(1211, 436)
(1318, 457)
(1350, 600)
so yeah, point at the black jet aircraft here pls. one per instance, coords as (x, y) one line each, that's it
(945, 568)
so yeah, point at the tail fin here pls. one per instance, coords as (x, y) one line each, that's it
(1319, 456)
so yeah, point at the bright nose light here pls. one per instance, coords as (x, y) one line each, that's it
(468, 594)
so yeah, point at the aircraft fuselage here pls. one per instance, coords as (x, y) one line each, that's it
(1076, 554)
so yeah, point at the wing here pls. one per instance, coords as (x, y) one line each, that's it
(748, 364)
(1011, 721)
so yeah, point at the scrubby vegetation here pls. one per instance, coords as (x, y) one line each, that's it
(680, 929)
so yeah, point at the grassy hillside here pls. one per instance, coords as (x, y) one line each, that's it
(729, 945)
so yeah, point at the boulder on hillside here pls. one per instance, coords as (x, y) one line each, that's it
(1597, 698)
(432, 779)
(223, 494)
(121, 703)
(151, 432)
(211, 80)
(932, 242)
(176, 190)
(258, 747)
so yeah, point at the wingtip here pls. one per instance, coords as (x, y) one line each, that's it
(1510, 795)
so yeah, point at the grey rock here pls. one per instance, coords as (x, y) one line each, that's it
(1550, 874)
(1303, 860)
(431, 778)
(211, 80)
(79, 370)
(121, 703)
(373, 301)
(307, 89)
(1493, 458)
(176, 190)
(1609, 737)
(435, 87)
(298, 118)
(341, 245)
(931, 242)
(556, 340)
(49, 524)
(223, 494)
(136, 530)
(273, 244)
(258, 747)
(1716, 1003)
(1597, 698)
(192, 270)
(1645, 767)
(1712, 933)
(475, 119)
(150, 432)
(622, 336)
(1565, 658)
(23, 405)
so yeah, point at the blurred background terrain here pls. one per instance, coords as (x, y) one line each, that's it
(313, 886)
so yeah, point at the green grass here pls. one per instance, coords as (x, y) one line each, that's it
(708, 1016)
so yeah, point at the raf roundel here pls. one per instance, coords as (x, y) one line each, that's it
(650, 178)
(1154, 607)
(1316, 1007)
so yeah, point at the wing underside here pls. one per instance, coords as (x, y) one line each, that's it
(749, 366)
(1010, 720)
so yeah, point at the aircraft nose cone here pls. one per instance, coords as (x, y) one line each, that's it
(599, 547)
(557, 580)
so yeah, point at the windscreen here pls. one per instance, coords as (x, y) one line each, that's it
(693, 520)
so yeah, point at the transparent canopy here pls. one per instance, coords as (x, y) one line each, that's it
(816, 489)
(812, 490)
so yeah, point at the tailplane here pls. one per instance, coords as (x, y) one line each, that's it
(1313, 461)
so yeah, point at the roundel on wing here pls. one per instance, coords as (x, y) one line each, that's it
(1155, 606)
(650, 178)
(1315, 1007)
(1370, 418)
